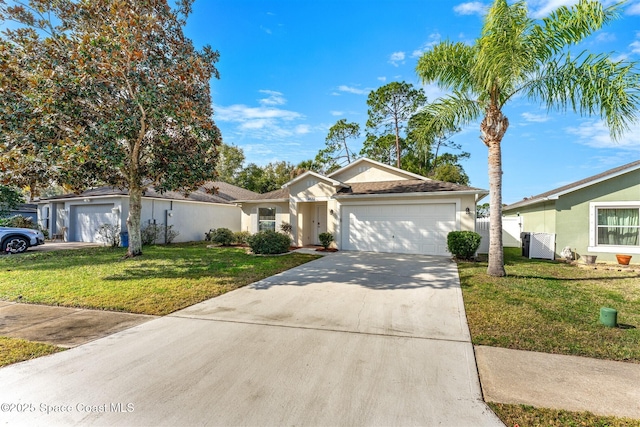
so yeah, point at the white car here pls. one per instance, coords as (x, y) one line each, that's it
(17, 240)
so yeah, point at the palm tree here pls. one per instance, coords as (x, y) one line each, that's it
(516, 55)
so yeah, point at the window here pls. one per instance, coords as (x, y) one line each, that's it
(618, 227)
(614, 227)
(266, 219)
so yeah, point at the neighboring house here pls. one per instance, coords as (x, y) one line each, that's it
(27, 210)
(367, 206)
(598, 215)
(76, 217)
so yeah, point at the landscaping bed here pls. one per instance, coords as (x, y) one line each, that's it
(164, 279)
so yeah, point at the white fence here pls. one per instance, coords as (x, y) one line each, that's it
(511, 228)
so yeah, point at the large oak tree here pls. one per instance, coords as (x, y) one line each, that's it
(519, 57)
(109, 92)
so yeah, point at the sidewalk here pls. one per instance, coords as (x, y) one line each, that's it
(555, 381)
(62, 326)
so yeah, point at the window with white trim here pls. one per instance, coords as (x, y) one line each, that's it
(266, 219)
(615, 227)
(618, 227)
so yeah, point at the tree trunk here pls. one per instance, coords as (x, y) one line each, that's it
(133, 221)
(493, 128)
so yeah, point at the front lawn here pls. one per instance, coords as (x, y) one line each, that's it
(164, 279)
(13, 350)
(552, 307)
(523, 415)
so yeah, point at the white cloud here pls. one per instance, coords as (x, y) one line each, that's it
(433, 91)
(605, 37)
(354, 90)
(382, 79)
(396, 57)
(265, 122)
(337, 113)
(535, 118)
(635, 46)
(302, 129)
(633, 9)
(265, 29)
(542, 8)
(470, 8)
(274, 98)
(594, 133)
(433, 40)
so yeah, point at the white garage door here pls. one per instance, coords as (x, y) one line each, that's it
(406, 228)
(88, 218)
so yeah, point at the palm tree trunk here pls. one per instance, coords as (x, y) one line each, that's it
(493, 128)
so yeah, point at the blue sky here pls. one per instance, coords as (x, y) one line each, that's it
(291, 68)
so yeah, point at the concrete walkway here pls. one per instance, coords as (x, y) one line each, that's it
(62, 326)
(349, 339)
(561, 382)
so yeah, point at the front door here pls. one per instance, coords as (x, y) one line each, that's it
(319, 222)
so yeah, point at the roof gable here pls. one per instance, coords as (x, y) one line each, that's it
(578, 185)
(367, 170)
(312, 174)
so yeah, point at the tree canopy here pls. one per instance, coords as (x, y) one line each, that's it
(518, 56)
(108, 92)
(390, 108)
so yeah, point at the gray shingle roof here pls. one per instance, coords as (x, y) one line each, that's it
(210, 192)
(574, 185)
(403, 186)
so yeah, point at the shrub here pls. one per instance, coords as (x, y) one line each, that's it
(21, 222)
(269, 242)
(286, 228)
(222, 236)
(110, 234)
(463, 244)
(171, 234)
(151, 233)
(325, 239)
(241, 237)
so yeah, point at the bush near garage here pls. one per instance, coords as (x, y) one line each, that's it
(463, 244)
(269, 242)
(221, 236)
(240, 237)
(325, 239)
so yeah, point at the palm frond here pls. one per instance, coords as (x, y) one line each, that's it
(590, 85)
(449, 65)
(447, 113)
(503, 56)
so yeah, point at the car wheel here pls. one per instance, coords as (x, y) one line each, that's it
(15, 245)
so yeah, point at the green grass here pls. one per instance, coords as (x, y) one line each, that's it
(528, 416)
(552, 307)
(14, 350)
(164, 279)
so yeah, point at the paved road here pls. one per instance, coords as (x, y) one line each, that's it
(350, 339)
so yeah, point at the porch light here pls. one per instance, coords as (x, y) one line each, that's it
(468, 211)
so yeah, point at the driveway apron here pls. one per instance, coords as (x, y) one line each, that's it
(350, 339)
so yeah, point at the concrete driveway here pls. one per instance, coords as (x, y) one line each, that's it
(350, 339)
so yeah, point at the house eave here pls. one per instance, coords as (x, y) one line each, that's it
(404, 195)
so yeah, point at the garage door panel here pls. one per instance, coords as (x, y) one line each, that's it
(402, 228)
(88, 218)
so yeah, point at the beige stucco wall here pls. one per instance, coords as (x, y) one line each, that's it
(367, 172)
(311, 189)
(249, 214)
